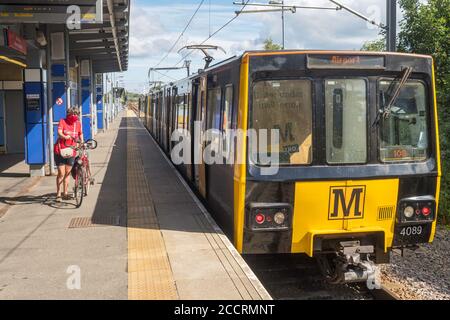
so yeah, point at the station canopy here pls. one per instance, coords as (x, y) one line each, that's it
(104, 33)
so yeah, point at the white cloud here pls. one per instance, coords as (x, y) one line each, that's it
(154, 28)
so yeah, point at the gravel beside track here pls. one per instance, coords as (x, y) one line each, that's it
(422, 274)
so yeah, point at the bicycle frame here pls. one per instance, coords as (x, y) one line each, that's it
(82, 171)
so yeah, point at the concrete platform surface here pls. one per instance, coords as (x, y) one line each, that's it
(140, 234)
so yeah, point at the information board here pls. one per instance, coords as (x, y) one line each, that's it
(55, 12)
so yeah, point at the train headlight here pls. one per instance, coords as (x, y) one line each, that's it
(409, 212)
(279, 218)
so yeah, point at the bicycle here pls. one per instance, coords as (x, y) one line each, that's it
(81, 171)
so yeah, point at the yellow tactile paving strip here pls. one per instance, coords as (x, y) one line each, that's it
(149, 273)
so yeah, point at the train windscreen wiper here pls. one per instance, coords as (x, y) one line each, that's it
(386, 109)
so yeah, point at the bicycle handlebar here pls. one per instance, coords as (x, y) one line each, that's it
(88, 144)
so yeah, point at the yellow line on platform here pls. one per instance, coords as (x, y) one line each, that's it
(149, 273)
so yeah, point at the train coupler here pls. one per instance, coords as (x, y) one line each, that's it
(350, 264)
(355, 263)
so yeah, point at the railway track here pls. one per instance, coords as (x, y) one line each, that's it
(297, 277)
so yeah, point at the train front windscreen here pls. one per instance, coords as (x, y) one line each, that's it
(287, 105)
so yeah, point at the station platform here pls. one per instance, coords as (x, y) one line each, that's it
(140, 234)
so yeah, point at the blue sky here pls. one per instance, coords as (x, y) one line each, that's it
(156, 24)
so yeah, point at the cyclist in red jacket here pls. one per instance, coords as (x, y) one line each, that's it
(69, 132)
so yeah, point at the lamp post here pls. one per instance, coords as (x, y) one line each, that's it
(282, 20)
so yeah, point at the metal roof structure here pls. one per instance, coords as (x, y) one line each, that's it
(104, 33)
(107, 44)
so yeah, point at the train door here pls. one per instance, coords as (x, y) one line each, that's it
(167, 119)
(170, 118)
(161, 118)
(189, 126)
(146, 110)
(199, 167)
(157, 116)
(152, 114)
(166, 108)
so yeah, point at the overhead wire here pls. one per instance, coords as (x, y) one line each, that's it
(181, 34)
(167, 76)
(213, 34)
(216, 32)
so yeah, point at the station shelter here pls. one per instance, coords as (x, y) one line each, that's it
(57, 54)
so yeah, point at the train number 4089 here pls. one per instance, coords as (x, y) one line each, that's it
(411, 231)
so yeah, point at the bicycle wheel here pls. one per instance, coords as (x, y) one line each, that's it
(79, 188)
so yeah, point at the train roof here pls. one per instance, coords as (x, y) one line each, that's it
(256, 53)
(349, 52)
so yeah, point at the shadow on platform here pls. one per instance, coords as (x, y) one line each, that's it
(46, 199)
(13, 166)
(174, 207)
(112, 199)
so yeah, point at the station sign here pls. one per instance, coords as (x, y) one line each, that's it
(50, 12)
(342, 61)
(33, 102)
(16, 42)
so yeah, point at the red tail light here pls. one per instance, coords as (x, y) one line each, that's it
(260, 218)
(426, 211)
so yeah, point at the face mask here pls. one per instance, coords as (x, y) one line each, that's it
(72, 118)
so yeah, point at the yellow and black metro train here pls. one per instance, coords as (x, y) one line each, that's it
(359, 160)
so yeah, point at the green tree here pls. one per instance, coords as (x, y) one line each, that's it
(425, 29)
(270, 45)
(378, 45)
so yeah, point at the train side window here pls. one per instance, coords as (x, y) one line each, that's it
(213, 108)
(180, 112)
(346, 120)
(188, 111)
(185, 112)
(227, 108)
(227, 115)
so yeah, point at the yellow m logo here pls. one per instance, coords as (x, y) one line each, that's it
(347, 202)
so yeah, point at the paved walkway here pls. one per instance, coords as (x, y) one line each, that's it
(140, 234)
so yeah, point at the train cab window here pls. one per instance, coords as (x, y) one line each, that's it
(404, 133)
(286, 106)
(346, 121)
